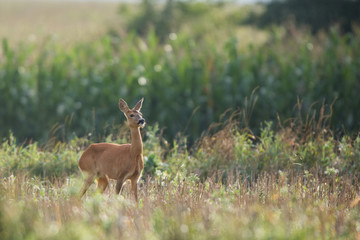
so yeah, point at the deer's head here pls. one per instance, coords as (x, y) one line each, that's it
(134, 116)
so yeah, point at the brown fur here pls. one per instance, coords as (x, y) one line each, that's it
(113, 161)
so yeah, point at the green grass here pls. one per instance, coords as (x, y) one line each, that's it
(228, 187)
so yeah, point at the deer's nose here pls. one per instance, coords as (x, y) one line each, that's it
(141, 121)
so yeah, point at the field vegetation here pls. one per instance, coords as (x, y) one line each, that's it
(252, 133)
(232, 185)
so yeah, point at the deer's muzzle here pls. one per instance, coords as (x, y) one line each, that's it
(141, 122)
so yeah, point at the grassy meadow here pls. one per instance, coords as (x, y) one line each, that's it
(227, 187)
(252, 133)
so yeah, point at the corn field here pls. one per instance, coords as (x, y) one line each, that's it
(48, 90)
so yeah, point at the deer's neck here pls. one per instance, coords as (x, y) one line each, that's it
(136, 142)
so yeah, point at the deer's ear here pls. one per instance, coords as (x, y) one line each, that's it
(123, 105)
(138, 105)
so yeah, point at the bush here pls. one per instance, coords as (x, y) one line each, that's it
(317, 14)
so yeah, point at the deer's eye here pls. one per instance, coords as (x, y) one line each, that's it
(132, 115)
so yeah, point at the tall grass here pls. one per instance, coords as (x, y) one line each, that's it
(230, 151)
(285, 184)
(275, 205)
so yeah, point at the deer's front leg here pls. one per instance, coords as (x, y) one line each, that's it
(134, 185)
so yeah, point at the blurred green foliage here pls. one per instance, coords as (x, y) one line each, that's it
(47, 89)
(41, 86)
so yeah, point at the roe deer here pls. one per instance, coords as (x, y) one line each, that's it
(113, 161)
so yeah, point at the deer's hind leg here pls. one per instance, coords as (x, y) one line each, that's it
(120, 182)
(119, 185)
(87, 183)
(103, 182)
